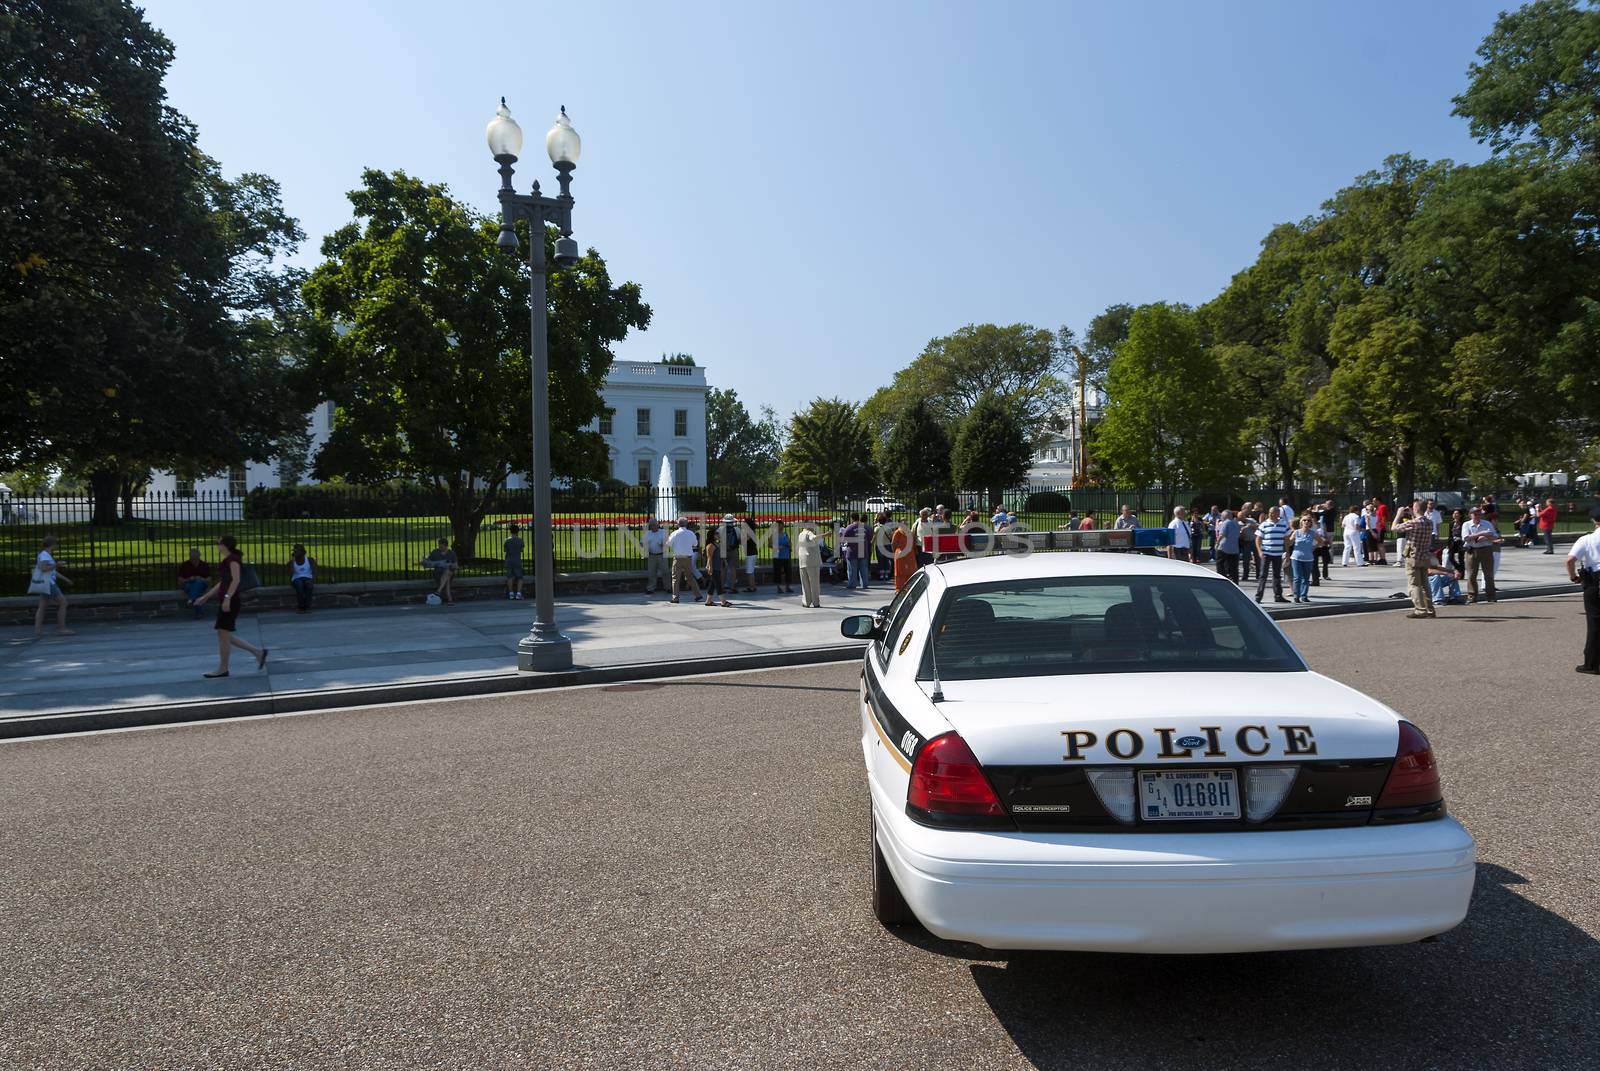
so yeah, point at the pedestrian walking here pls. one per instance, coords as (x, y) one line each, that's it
(442, 560)
(230, 579)
(656, 569)
(926, 528)
(1351, 531)
(1322, 518)
(808, 555)
(752, 553)
(1303, 556)
(1181, 547)
(1583, 567)
(1418, 555)
(45, 582)
(1455, 548)
(302, 577)
(194, 576)
(853, 540)
(1547, 525)
(1125, 520)
(1479, 538)
(1249, 543)
(730, 550)
(715, 568)
(1271, 535)
(783, 561)
(1227, 543)
(682, 544)
(905, 558)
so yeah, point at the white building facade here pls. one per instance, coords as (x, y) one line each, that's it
(655, 410)
(1058, 450)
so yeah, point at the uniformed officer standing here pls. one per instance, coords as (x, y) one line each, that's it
(1583, 567)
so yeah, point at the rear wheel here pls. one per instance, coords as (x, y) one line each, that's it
(888, 906)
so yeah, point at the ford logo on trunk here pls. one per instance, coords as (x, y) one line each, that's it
(1191, 741)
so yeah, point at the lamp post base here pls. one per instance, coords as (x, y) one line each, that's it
(544, 653)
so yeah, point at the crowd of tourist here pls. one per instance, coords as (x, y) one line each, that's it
(1276, 544)
(1436, 553)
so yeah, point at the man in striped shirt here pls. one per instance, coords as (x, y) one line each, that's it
(1271, 535)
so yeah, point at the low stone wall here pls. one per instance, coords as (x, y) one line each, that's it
(152, 604)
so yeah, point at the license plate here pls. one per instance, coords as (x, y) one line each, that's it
(1165, 795)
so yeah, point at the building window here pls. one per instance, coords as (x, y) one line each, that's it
(236, 482)
(644, 472)
(680, 423)
(185, 488)
(605, 421)
(642, 422)
(680, 471)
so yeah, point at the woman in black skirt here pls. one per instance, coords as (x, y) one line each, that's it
(230, 572)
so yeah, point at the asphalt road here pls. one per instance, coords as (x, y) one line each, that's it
(674, 875)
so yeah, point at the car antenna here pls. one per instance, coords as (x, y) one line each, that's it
(937, 695)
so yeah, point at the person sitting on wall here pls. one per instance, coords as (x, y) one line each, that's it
(194, 576)
(442, 560)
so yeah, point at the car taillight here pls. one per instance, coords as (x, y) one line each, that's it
(1414, 779)
(948, 780)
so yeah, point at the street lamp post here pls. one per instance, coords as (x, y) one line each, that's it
(543, 648)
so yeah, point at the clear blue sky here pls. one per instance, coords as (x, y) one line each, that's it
(809, 192)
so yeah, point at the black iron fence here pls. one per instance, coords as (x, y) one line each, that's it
(382, 534)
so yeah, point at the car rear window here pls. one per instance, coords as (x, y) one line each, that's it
(1103, 624)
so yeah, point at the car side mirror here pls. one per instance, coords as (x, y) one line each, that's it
(859, 627)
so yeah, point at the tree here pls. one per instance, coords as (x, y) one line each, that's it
(677, 358)
(1019, 363)
(916, 456)
(1162, 424)
(1538, 78)
(137, 271)
(740, 451)
(1106, 332)
(421, 340)
(991, 451)
(828, 448)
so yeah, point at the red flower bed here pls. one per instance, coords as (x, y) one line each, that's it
(637, 520)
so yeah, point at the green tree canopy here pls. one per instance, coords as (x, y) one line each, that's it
(421, 340)
(828, 450)
(916, 456)
(991, 450)
(144, 295)
(1537, 78)
(740, 451)
(1019, 363)
(1165, 422)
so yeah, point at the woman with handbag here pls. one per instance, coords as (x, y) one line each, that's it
(231, 582)
(46, 583)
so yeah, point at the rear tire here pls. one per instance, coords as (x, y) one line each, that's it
(888, 906)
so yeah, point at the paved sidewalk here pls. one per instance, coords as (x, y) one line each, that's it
(143, 663)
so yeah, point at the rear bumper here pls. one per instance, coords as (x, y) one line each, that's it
(1184, 893)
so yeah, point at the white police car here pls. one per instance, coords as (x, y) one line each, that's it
(1122, 753)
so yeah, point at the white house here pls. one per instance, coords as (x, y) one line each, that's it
(1058, 451)
(653, 411)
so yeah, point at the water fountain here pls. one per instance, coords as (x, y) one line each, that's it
(666, 494)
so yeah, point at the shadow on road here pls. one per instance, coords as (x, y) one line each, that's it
(1515, 986)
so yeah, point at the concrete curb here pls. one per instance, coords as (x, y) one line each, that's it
(81, 721)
